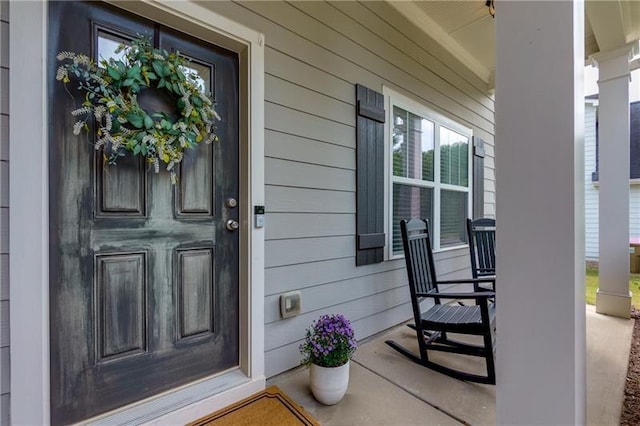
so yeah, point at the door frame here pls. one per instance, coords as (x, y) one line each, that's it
(29, 215)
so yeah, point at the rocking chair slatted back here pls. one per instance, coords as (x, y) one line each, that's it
(419, 260)
(482, 246)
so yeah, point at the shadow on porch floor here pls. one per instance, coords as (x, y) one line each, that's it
(386, 388)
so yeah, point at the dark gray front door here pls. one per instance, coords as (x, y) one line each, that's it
(143, 275)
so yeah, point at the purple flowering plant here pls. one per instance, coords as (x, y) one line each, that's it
(329, 342)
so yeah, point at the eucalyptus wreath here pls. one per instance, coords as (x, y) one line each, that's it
(111, 89)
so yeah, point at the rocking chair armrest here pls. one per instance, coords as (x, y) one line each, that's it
(464, 295)
(469, 280)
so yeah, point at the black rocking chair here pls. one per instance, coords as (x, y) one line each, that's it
(482, 249)
(433, 325)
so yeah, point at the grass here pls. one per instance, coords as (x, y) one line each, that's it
(591, 284)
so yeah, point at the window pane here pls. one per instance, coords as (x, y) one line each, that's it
(453, 215)
(413, 145)
(454, 158)
(409, 202)
(108, 44)
(201, 74)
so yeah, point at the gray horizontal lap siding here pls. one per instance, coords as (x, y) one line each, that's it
(5, 374)
(315, 53)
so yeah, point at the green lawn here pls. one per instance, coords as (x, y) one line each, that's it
(592, 286)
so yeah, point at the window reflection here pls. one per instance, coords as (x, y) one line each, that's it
(413, 145)
(108, 44)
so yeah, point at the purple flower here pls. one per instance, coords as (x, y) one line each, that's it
(329, 342)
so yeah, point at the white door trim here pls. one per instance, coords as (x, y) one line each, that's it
(29, 198)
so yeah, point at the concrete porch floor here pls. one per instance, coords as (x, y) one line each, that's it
(386, 388)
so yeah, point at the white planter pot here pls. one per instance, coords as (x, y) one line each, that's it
(329, 384)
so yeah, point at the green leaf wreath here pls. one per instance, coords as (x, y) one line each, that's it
(111, 90)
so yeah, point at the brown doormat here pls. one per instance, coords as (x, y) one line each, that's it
(271, 407)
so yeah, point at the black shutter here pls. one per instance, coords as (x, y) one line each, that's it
(634, 133)
(478, 177)
(370, 116)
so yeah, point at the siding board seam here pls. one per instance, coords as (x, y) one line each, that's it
(307, 63)
(307, 113)
(309, 237)
(343, 280)
(308, 138)
(310, 187)
(309, 261)
(310, 163)
(293, 83)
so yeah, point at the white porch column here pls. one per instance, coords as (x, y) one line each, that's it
(613, 296)
(540, 235)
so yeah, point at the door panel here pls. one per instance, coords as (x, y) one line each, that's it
(122, 293)
(195, 285)
(143, 275)
(120, 190)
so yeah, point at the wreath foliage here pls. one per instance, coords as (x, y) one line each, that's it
(111, 90)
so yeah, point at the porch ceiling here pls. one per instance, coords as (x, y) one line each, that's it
(466, 28)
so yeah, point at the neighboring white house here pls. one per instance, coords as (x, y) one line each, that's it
(591, 175)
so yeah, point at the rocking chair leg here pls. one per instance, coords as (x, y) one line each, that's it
(491, 369)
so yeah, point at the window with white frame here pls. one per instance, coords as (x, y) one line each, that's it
(430, 174)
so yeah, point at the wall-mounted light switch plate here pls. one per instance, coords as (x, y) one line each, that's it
(290, 304)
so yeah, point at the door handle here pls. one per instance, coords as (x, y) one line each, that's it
(232, 225)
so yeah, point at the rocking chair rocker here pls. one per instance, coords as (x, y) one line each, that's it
(433, 325)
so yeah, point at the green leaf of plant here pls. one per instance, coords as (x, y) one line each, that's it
(152, 76)
(148, 122)
(113, 73)
(162, 83)
(128, 82)
(157, 67)
(134, 72)
(136, 120)
(136, 150)
(196, 101)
